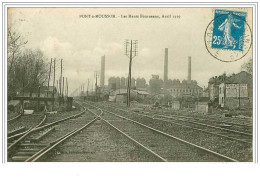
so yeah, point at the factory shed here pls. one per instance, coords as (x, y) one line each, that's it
(120, 95)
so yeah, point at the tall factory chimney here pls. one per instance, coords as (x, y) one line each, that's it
(102, 75)
(189, 69)
(165, 77)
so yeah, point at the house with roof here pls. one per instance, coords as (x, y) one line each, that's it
(235, 91)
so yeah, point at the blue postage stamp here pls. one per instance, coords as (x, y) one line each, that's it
(228, 30)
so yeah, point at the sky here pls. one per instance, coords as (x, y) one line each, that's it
(80, 42)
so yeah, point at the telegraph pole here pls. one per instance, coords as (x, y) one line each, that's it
(87, 87)
(67, 88)
(239, 96)
(58, 88)
(60, 75)
(53, 85)
(63, 90)
(92, 86)
(96, 75)
(49, 78)
(131, 54)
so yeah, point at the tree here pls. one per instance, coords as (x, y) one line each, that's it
(155, 85)
(248, 66)
(30, 72)
(14, 46)
(27, 69)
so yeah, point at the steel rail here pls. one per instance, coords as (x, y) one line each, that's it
(220, 135)
(52, 145)
(14, 118)
(214, 118)
(130, 138)
(37, 128)
(170, 136)
(26, 133)
(182, 125)
(182, 116)
(206, 125)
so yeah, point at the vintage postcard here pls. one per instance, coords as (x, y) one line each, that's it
(130, 84)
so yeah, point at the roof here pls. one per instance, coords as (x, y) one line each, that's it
(240, 78)
(124, 91)
(186, 86)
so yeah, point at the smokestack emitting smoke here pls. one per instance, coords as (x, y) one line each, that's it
(102, 77)
(165, 68)
(189, 68)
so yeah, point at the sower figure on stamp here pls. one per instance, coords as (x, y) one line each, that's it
(229, 41)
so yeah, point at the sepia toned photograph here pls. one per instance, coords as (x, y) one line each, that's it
(136, 84)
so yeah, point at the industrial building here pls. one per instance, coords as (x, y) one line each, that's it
(186, 89)
(233, 95)
(235, 91)
(120, 95)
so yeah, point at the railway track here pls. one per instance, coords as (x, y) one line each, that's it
(24, 145)
(163, 145)
(247, 123)
(100, 143)
(26, 121)
(227, 145)
(235, 135)
(14, 118)
(231, 134)
(63, 132)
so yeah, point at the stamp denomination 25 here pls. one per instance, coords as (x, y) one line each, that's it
(228, 37)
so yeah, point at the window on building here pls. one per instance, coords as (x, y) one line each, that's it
(222, 100)
(219, 90)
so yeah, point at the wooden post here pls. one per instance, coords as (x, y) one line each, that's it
(60, 76)
(22, 107)
(129, 77)
(63, 90)
(53, 86)
(67, 87)
(38, 101)
(49, 78)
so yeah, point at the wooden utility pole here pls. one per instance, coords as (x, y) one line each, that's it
(39, 94)
(92, 89)
(58, 88)
(129, 77)
(63, 90)
(96, 86)
(24, 71)
(53, 85)
(67, 88)
(131, 54)
(87, 87)
(49, 78)
(60, 76)
(239, 96)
